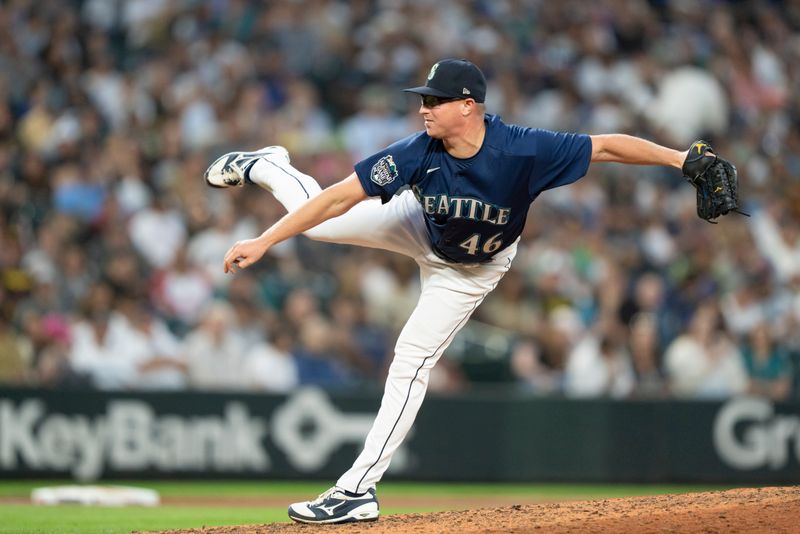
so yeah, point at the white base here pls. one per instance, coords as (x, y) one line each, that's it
(96, 496)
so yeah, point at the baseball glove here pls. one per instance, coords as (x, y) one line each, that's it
(715, 180)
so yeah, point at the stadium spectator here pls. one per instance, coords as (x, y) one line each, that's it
(703, 362)
(645, 349)
(99, 340)
(153, 349)
(182, 292)
(270, 367)
(318, 361)
(598, 367)
(530, 371)
(158, 232)
(216, 351)
(768, 365)
(15, 355)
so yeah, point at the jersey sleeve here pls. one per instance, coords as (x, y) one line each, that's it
(561, 159)
(384, 173)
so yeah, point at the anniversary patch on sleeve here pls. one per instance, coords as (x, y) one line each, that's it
(384, 171)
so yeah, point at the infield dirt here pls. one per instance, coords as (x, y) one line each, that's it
(758, 510)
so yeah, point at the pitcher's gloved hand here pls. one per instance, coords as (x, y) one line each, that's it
(715, 180)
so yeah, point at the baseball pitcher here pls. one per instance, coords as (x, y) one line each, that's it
(454, 197)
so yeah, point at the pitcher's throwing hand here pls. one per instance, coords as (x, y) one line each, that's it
(243, 254)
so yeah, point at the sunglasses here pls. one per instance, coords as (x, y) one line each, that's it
(430, 101)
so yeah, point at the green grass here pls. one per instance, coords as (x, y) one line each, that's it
(27, 519)
(85, 520)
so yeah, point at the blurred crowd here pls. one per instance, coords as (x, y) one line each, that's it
(111, 245)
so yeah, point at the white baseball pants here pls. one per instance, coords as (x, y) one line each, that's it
(449, 294)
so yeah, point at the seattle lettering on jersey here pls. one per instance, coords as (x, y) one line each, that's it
(462, 208)
(475, 207)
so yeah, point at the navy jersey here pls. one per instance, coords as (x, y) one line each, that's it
(476, 207)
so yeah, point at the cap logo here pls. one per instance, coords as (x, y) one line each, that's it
(465, 91)
(433, 71)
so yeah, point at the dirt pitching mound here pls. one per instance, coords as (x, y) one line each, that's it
(767, 510)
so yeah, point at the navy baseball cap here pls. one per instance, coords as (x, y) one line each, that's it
(454, 78)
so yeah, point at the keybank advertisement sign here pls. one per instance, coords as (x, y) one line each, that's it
(314, 434)
(129, 436)
(155, 434)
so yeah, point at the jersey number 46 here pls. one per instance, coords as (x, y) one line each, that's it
(473, 243)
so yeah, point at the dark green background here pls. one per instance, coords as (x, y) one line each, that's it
(482, 436)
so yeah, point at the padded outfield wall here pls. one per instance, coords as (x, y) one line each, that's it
(316, 434)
